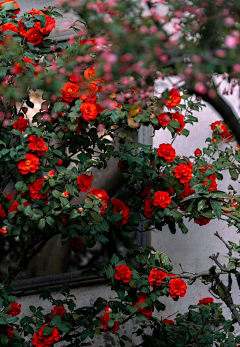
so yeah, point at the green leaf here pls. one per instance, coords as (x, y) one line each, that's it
(56, 194)
(216, 206)
(233, 174)
(96, 216)
(74, 214)
(50, 221)
(102, 239)
(114, 259)
(47, 331)
(121, 293)
(21, 187)
(56, 320)
(41, 223)
(62, 327)
(141, 317)
(42, 19)
(28, 211)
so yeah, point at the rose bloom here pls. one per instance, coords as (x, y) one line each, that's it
(164, 119)
(147, 192)
(89, 110)
(2, 213)
(35, 190)
(120, 207)
(14, 309)
(206, 301)
(108, 309)
(168, 321)
(187, 191)
(37, 145)
(220, 127)
(8, 27)
(18, 68)
(148, 208)
(123, 273)
(183, 172)
(40, 340)
(180, 119)
(50, 22)
(161, 199)
(202, 220)
(21, 124)
(88, 42)
(22, 29)
(174, 98)
(90, 73)
(166, 151)
(10, 333)
(211, 177)
(58, 310)
(100, 194)
(76, 243)
(70, 91)
(146, 311)
(177, 287)
(104, 322)
(9, 197)
(16, 6)
(156, 277)
(30, 164)
(197, 152)
(3, 231)
(15, 204)
(60, 162)
(85, 182)
(34, 36)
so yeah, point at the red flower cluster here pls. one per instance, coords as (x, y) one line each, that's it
(177, 288)
(164, 119)
(16, 6)
(30, 164)
(146, 311)
(8, 27)
(104, 322)
(187, 191)
(120, 207)
(180, 119)
(21, 124)
(174, 98)
(166, 151)
(161, 199)
(41, 340)
(2, 213)
(90, 73)
(14, 309)
(85, 182)
(206, 301)
(123, 273)
(18, 68)
(37, 145)
(48, 27)
(58, 310)
(15, 204)
(156, 277)
(202, 220)
(101, 195)
(222, 130)
(76, 243)
(183, 172)
(35, 190)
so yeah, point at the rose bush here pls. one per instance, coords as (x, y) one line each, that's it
(96, 91)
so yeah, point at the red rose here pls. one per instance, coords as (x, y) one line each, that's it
(179, 118)
(168, 321)
(166, 151)
(15, 204)
(206, 301)
(85, 182)
(34, 36)
(3, 231)
(37, 145)
(147, 191)
(211, 177)
(18, 68)
(2, 213)
(104, 322)
(30, 164)
(146, 311)
(58, 310)
(16, 6)
(120, 207)
(76, 243)
(89, 110)
(177, 287)
(123, 273)
(88, 42)
(8, 27)
(14, 309)
(22, 29)
(187, 191)
(220, 127)
(10, 333)
(90, 73)
(21, 124)
(60, 162)
(101, 195)
(164, 119)
(197, 152)
(156, 277)
(35, 190)
(50, 22)
(161, 199)
(183, 172)
(202, 220)
(148, 208)
(174, 98)
(41, 340)
(9, 197)
(70, 91)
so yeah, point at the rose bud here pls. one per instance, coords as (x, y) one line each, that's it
(198, 152)
(65, 194)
